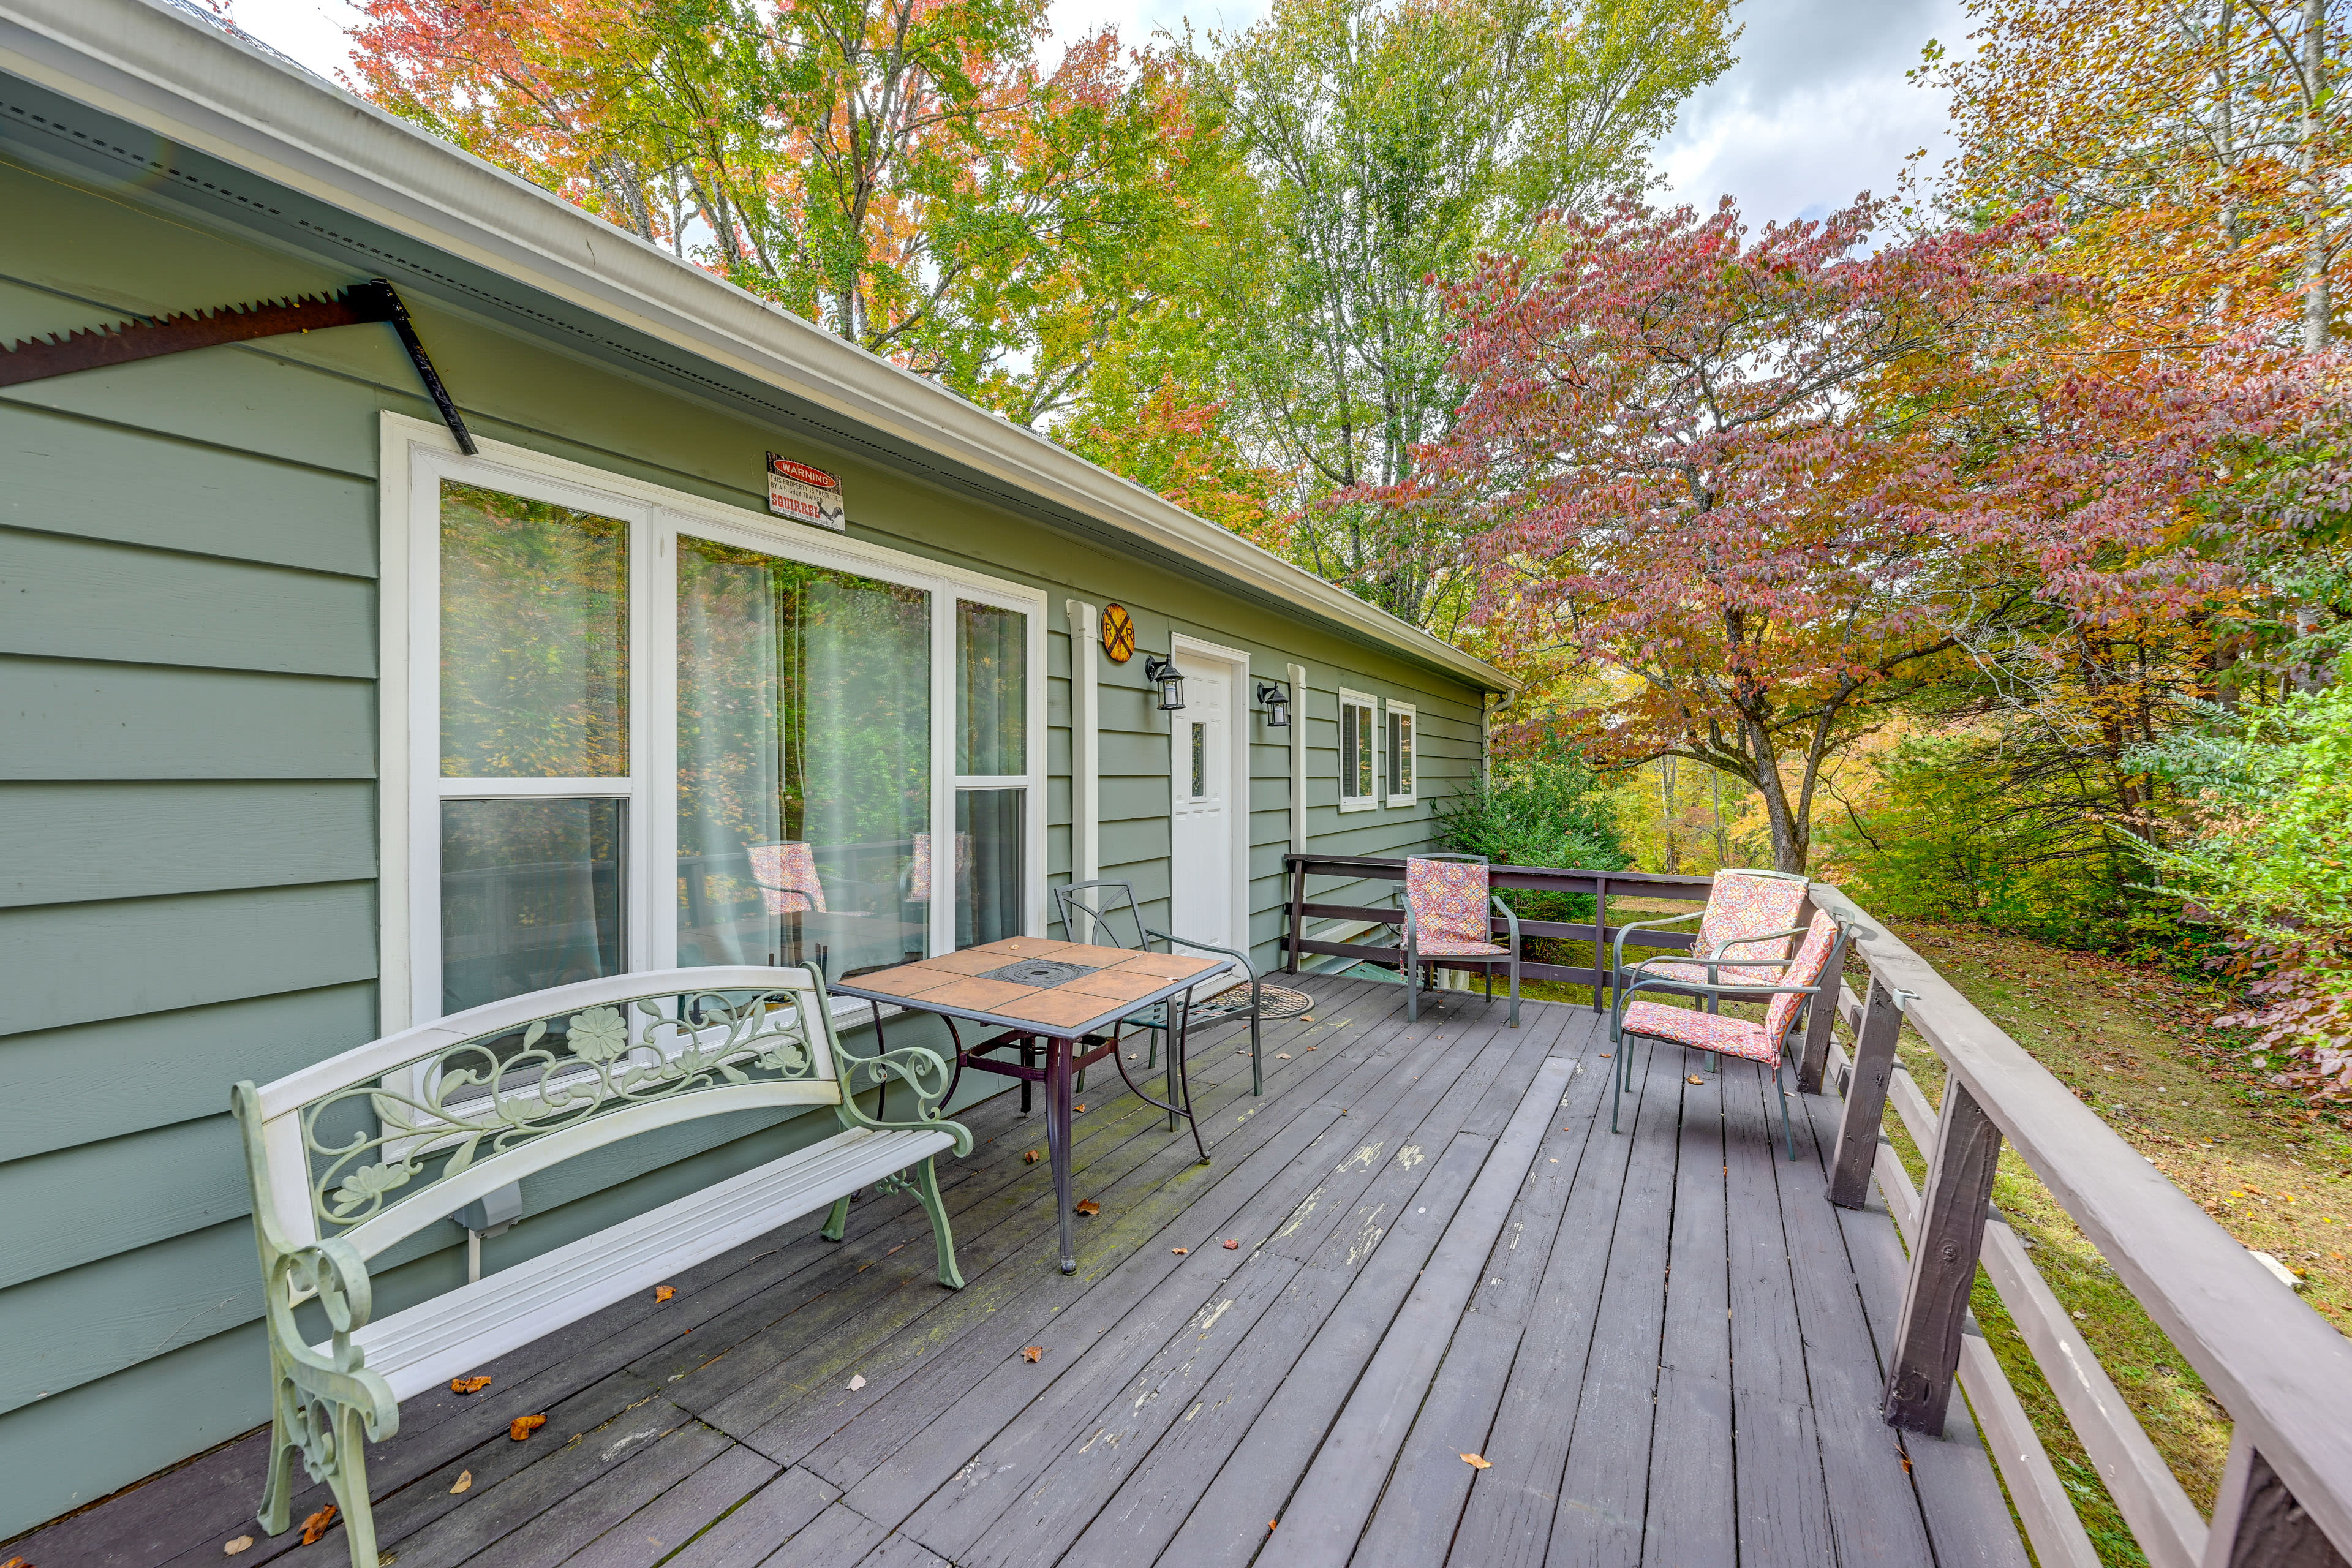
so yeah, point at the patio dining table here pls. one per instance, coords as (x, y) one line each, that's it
(1071, 997)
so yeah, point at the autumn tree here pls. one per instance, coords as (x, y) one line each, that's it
(1772, 485)
(903, 172)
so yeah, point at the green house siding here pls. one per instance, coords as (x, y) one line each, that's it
(188, 807)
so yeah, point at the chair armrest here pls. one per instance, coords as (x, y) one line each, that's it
(1510, 919)
(1722, 992)
(1763, 936)
(1617, 951)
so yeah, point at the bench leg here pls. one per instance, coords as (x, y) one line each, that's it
(836, 1224)
(331, 1437)
(926, 1191)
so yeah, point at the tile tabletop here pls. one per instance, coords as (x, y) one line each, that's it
(1057, 987)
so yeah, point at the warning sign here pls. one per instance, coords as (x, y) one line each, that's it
(805, 494)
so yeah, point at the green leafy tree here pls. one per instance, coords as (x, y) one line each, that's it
(1390, 142)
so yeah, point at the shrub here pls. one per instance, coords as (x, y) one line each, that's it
(1544, 809)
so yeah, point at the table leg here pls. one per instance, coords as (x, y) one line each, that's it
(1058, 1055)
(1180, 1042)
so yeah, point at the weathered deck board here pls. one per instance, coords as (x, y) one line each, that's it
(1657, 1339)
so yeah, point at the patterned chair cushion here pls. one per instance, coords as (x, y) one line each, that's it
(1457, 947)
(1735, 974)
(1746, 904)
(1812, 957)
(1717, 1032)
(787, 876)
(1448, 900)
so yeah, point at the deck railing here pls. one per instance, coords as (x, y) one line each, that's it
(2282, 1371)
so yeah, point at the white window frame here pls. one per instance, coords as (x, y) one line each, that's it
(1368, 725)
(415, 456)
(1412, 753)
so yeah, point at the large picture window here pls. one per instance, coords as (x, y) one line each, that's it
(630, 731)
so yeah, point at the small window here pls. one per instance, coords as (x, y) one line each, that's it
(1200, 761)
(1400, 753)
(1357, 766)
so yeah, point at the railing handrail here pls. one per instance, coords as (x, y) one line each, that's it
(2282, 1371)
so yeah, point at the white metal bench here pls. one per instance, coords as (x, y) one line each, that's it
(367, 1148)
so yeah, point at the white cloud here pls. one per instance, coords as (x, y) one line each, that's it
(1816, 110)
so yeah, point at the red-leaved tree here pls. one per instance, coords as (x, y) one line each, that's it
(1769, 484)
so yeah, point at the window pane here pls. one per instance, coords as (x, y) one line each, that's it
(530, 896)
(988, 864)
(992, 681)
(803, 763)
(534, 639)
(1346, 751)
(1200, 761)
(1405, 754)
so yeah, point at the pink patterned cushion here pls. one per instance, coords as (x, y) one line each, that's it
(1448, 900)
(1812, 957)
(787, 876)
(1456, 947)
(1736, 974)
(1715, 1032)
(918, 875)
(1745, 904)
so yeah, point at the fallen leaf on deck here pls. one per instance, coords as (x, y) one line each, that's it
(1179, 1251)
(1232, 1246)
(1035, 1352)
(464, 1483)
(522, 1426)
(1475, 1462)
(228, 1548)
(662, 1293)
(1310, 1047)
(316, 1525)
(1604, 1056)
(856, 1381)
(1282, 1055)
(1030, 1158)
(1074, 1109)
(1694, 1078)
(1089, 1206)
(468, 1384)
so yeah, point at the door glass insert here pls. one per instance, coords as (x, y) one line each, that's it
(1200, 761)
(989, 856)
(530, 896)
(993, 691)
(803, 762)
(534, 638)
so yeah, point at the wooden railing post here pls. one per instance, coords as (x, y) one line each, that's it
(1865, 1095)
(2257, 1523)
(1950, 1233)
(1297, 908)
(1599, 938)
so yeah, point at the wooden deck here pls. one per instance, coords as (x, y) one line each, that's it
(1661, 1343)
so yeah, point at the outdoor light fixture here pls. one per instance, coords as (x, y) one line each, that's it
(1277, 703)
(1171, 679)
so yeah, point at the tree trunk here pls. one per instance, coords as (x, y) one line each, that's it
(1792, 834)
(2316, 309)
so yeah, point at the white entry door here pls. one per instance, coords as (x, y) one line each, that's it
(1203, 815)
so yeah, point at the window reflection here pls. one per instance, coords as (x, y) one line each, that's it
(988, 854)
(534, 638)
(530, 896)
(803, 762)
(993, 676)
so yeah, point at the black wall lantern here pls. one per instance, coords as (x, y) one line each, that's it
(1277, 703)
(1171, 679)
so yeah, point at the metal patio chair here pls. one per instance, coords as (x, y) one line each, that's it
(1799, 985)
(1101, 929)
(1448, 913)
(1749, 917)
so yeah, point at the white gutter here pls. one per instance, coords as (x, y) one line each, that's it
(194, 85)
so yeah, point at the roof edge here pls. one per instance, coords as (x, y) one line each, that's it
(148, 65)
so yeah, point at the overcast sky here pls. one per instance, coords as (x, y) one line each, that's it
(1815, 111)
